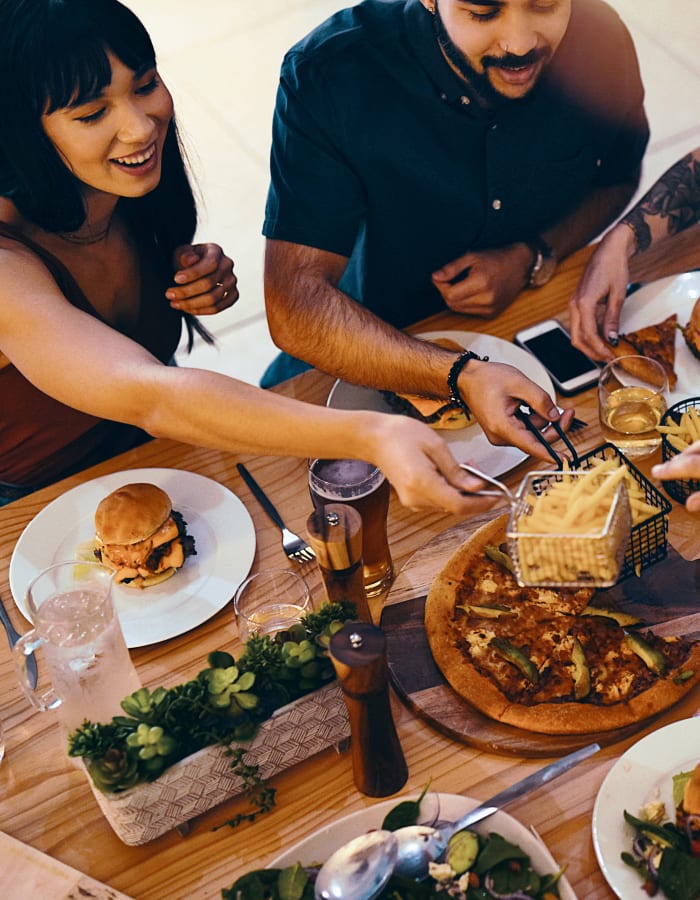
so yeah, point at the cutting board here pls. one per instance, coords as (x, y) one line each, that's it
(26, 872)
(665, 596)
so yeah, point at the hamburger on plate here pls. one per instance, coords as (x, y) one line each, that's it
(140, 535)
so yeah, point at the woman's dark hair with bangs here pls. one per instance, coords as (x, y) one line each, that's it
(54, 53)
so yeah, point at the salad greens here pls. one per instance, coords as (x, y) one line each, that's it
(666, 854)
(499, 870)
(225, 702)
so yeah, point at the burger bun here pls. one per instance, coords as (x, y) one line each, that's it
(131, 513)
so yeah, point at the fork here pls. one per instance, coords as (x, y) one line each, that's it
(294, 546)
(577, 425)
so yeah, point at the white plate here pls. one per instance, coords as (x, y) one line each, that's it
(467, 444)
(319, 846)
(219, 522)
(655, 302)
(641, 774)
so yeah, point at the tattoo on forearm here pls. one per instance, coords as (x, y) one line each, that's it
(675, 197)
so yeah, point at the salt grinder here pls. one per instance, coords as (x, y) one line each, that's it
(335, 533)
(358, 652)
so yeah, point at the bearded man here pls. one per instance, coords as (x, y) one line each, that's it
(439, 152)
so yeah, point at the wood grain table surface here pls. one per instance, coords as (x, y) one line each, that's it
(46, 803)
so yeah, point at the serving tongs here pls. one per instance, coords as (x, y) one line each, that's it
(524, 412)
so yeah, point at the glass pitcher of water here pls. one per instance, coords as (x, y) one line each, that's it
(77, 628)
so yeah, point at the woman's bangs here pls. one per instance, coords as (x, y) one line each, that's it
(73, 79)
(80, 69)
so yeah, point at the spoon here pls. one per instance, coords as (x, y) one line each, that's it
(419, 845)
(360, 869)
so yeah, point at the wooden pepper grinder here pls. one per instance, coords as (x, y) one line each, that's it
(358, 652)
(335, 533)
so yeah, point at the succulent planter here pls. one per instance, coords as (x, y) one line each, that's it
(203, 780)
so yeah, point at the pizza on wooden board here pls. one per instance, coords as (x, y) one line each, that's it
(546, 660)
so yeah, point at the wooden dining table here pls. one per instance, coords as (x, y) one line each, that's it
(47, 805)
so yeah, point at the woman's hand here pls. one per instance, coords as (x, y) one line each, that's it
(597, 302)
(684, 466)
(421, 468)
(204, 280)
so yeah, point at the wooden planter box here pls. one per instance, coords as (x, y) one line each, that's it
(205, 779)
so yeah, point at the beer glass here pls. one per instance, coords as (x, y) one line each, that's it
(364, 487)
(82, 643)
(631, 401)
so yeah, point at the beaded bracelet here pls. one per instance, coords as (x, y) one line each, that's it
(457, 366)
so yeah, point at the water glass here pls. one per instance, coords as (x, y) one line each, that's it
(631, 401)
(364, 487)
(270, 601)
(77, 628)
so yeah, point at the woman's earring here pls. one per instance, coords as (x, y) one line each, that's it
(431, 9)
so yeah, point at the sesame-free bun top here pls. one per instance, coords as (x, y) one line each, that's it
(131, 513)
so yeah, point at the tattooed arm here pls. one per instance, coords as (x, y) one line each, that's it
(669, 207)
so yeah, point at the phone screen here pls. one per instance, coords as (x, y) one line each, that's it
(555, 351)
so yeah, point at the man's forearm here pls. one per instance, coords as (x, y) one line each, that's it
(599, 210)
(312, 319)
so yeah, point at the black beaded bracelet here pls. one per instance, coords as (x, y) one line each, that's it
(457, 366)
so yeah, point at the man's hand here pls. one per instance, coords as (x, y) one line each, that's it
(495, 392)
(484, 283)
(204, 280)
(597, 302)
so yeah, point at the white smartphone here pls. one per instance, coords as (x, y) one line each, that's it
(570, 369)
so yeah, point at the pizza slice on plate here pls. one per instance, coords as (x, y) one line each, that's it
(655, 341)
(543, 660)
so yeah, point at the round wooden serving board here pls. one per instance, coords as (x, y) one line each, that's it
(421, 685)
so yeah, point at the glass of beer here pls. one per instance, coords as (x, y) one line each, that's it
(631, 400)
(364, 487)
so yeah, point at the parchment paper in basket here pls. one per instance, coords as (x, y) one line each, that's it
(564, 559)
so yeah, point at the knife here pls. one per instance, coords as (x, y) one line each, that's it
(13, 637)
(525, 785)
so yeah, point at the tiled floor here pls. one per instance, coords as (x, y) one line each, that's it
(221, 60)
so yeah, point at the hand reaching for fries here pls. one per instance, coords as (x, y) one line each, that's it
(685, 466)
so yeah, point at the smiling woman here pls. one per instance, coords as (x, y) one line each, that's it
(133, 111)
(98, 274)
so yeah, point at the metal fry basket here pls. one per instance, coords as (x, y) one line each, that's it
(567, 558)
(679, 489)
(641, 543)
